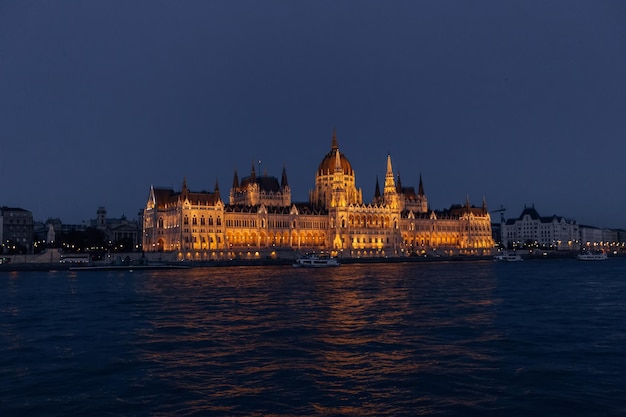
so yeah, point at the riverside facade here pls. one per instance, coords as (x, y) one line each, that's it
(260, 220)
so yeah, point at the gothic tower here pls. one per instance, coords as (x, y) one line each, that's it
(390, 193)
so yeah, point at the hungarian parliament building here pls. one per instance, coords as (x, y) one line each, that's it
(260, 220)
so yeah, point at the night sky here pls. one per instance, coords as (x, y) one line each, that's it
(520, 102)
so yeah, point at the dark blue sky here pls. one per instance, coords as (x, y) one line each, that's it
(522, 102)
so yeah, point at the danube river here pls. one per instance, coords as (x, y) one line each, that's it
(533, 338)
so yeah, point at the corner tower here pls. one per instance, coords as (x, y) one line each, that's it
(390, 193)
(335, 182)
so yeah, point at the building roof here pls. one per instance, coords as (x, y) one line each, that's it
(460, 209)
(534, 215)
(7, 209)
(409, 192)
(266, 183)
(529, 211)
(327, 166)
(167, 196)
(163, 196)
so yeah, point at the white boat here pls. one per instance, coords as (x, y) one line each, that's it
(592, 256)
(313, 260)
(507, 257)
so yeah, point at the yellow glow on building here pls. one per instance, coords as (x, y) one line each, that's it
(260, 219)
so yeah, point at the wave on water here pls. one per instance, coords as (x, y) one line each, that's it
(475, 338)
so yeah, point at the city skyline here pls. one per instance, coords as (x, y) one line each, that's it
(518, 103)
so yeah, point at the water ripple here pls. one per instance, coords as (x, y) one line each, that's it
(472, 339)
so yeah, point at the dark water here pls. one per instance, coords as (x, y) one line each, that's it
(536, 338)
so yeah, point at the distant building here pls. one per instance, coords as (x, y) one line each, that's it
(599, 238)
(118, 230)
(49, 232)
(531, 229)
(260, 218)
(16, 232)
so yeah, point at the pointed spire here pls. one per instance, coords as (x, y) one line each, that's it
(185, 191)
(235, 180)
(390, 184)
(399, 185)
(420, 190)
(253, 174)
(216, 193)
(377, 191)
(484, 204)
(152, 196)
(334, 144)
(283, 180)
(467, 201)
(338, 162)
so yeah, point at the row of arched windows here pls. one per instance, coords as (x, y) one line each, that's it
(368, 221)
(194, 221)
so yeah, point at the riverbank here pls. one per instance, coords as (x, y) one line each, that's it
(59, 266)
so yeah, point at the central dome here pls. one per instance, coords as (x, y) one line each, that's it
(327, 166)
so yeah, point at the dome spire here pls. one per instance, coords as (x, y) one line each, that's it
(338, 162)
(334, 144)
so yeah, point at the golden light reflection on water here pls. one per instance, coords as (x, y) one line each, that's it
(375, 340)
(355, 337)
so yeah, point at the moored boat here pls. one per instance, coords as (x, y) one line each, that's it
(315, 261)
(592, 256)
(507, 257)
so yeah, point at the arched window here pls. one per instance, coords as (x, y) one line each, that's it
(186, 220)
(194, 221)
(210, 220)
(202, 220)
(219, 221)
(160, 222)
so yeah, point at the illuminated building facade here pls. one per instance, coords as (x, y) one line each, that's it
(261, 220)
(530, 229)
